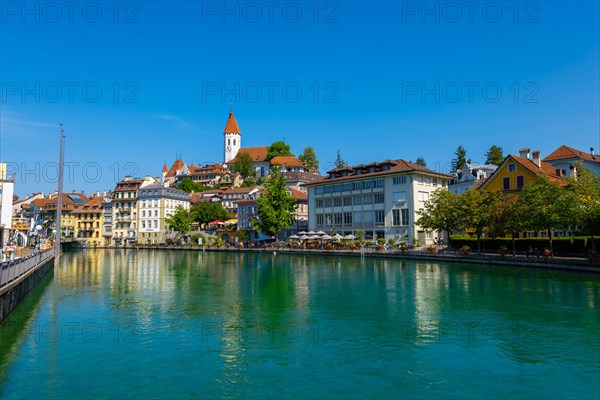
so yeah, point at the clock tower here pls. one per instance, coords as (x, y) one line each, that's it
(232, 138)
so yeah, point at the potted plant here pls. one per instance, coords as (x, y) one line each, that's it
(502, 251)
(466, 250)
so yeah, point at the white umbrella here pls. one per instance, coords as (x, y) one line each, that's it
(326, 237)
(314, 237)
(337, 236)
(303, 233)
(310, 233)
(350, 237)
(320, 233)
(294, 237)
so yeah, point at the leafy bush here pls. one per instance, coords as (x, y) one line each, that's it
(560, 245)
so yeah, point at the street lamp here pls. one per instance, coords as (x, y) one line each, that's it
(38, 230)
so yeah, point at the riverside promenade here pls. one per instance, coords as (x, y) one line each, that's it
(444, 255)
(19, 276)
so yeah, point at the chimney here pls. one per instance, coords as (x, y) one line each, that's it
(524, 152)
(536, 158)
(592, 151)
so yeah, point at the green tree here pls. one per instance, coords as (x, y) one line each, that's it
(460, 159)
(276, 208)
(583, 193)
(209, 211)
(476, 211)
(421, 161)
(441, 212)
(508, 217)
(339, 161)
(494, 155)
(243, 165)
(309, 157)
(278, 149)
(180, 221)
(188, 185)
(545, 206)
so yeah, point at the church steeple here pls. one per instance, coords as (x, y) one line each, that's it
(232, 142)
(232, 126)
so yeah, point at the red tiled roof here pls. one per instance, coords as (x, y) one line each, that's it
(297, 194)
(544, 168)
(257, 154)
(177, 165)
(566, 152)
(232, 126)
(94, 205)
(288, 161)
(239, 190)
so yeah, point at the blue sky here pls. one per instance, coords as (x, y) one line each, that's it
(378, 80)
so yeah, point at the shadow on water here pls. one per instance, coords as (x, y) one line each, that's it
(14, 328)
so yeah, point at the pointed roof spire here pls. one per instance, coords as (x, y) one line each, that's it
(164, 170)
(232, 126)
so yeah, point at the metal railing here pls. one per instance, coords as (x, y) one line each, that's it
(12, 270)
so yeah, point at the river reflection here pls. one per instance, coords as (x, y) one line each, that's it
(163, 323)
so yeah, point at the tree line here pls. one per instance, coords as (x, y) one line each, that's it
(543, 205)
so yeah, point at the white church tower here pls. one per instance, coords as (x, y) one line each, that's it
(232, 139)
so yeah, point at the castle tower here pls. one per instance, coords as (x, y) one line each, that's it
(233, 138)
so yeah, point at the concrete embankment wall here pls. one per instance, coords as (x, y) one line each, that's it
(12, 294)
(565, 264)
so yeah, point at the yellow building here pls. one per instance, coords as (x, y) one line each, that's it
(89, 222)
(518, 171)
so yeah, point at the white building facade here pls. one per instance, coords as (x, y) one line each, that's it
(381, 199)
(155, 203)
(6, 204)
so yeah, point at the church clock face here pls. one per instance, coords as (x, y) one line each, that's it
(228, 148)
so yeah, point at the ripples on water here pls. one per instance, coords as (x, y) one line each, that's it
(148, 324)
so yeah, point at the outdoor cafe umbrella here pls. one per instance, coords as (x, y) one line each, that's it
(310, 233)
(337, 236)
(217, 222)
(320, 233)
(294, 237)
(326, 237)
(303, 233)
(350, 237)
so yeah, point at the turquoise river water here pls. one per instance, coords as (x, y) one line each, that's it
(170, 324)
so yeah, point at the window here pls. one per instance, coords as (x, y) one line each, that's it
(520, 181)
(338, 218)
(506, 183)
(319, 219)
(328, 202)
(337, 202)
(423, 196)
(358, 217)
(379, 198)
(368, 217)
(379, 217)
(366, 185)
(348, 201)
(347, 218)
(319, 190)
(357, 200)
(368, 199)
(356, 186)
(512, 167)
(319, 203)
(328, 219)
(405, 219)
(143, 213)
(396, 221)
(378, 183)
